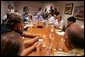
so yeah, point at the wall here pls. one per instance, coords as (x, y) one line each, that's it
(4, 7)
(61, 6)
(34, 6)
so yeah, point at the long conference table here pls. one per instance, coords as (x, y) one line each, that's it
(45, 33)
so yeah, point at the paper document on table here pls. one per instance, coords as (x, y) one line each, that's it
(27, 26)
(40, 40)
(58, 30)
(60, 33)
(43, 20)
(63, 54)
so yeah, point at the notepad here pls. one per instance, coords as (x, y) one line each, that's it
(60, 33)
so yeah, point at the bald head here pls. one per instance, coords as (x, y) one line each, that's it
(77, 28)
(75, 34)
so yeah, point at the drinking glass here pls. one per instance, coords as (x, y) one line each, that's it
(51, 42)
(60, 46)
(44, 43)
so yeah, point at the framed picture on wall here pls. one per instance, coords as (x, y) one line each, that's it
(79, 12)
(68, 8)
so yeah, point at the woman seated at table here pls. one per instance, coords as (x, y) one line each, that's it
(15, 23)
(12, 45)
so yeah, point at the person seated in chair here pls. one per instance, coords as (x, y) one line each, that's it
(12, 45)
(15, 23)
(74, 36)
(70, 21)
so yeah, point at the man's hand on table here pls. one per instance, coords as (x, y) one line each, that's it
(30, 35)
(29, 42)
(38, 46)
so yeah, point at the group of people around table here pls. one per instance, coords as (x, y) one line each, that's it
(12, 33)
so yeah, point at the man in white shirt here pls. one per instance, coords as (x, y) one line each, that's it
(10, 9)
(59, 23)
(51, 19)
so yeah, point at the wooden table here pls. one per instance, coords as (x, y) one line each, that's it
(45, 31)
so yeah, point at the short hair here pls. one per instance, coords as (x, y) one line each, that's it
(16, 10)
(56, 13)
(9, 6)
(51, 14)
(11, 44)
(25, 8)
(14, 19)
(72, 19)
(76, 37)
(59, 16)
(40, 8)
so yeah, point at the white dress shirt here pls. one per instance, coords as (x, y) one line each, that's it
(51, 20)
(59, 24)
